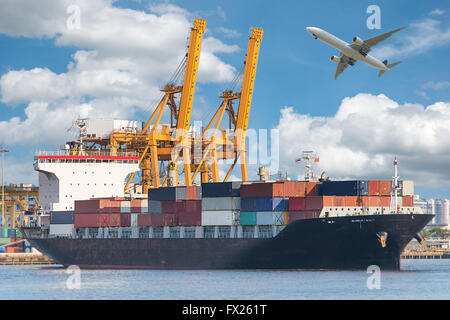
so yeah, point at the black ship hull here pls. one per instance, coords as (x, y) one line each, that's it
(339, 243)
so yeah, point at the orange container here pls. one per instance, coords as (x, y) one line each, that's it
(408, 201)
(363, 201)
(339, 201)
(329, 201)
(374, 201)
(351, 201)
(374, 188)
(385, 187)
(311, 189)
(385, 201)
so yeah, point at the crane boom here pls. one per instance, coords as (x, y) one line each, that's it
(246, 97)
(187, 95)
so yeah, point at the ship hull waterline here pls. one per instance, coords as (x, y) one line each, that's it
(335, 243)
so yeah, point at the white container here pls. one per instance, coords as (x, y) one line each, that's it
(264, 218)
(218, 218)
(63, 230)
(407, 188)
(221, 204)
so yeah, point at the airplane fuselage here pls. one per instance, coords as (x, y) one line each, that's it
(345, 48)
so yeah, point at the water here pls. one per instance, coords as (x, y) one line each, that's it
(419, 279)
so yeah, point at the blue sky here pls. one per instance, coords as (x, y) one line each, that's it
(294, 70)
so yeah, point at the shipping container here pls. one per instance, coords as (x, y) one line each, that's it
(385, 187)
(327, 201)
(86, 220)
(311, 189)
(279, 218)
(272, 204)
(12, 233)
(345, 188)
(134, 220)
(124, 220)
(165, 194)
(221, 203)
(374, 201)
(351, 201)
(407, 188)
(297, 203)
(61, 229)
(249, 204)
(219, 218)
(193, 218)
(248, 218)
(264, 218)
(154, 206)
(164, 219)
(304, 214)
(262, 190)
(313, 203)
(104, 219)
(385, 201)
(408, 201)
(192, 193)
(92, 206)
(61, 217)
(144, 220)
(169, 206)
(339, 201)
(193, 206)
(294, 188)
(221, 189)
(374, 188)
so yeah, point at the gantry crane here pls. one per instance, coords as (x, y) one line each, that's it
(224, 146)
(17, 196)
(164, 142)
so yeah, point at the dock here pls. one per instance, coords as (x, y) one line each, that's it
(24, 259)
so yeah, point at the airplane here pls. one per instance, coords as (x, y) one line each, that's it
(357, 51)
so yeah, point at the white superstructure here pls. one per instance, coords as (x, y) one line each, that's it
(65, 176)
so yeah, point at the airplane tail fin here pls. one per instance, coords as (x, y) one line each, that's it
(389, 66)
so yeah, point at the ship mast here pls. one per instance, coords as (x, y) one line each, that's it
(395, 187)
(309, 157)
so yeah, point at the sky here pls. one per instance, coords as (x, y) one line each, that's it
(112, 61)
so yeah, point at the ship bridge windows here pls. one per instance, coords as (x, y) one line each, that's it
(174, 232)
(126, 233)
(144, 232)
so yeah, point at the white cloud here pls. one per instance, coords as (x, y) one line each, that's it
(123, 57)
(229, 33)
(436, 12)
(362, 138)
(436, 85)
(423, 36)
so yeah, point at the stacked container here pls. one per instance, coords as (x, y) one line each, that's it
(221, 203)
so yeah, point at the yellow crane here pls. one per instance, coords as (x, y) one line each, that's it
(17, 196)
(232, 146)
(157, 142)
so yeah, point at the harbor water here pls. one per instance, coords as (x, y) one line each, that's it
(419, 279)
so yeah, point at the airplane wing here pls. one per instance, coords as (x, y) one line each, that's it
(342, 65)
(365, 48)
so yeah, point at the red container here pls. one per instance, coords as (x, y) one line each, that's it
(170, 219)
(304, 214)
(385, 188)
(104, 219)
(181, 206)
(191, 193)
(169, 206)
(408, 201)
(135, 206)
(311, 189)
(312, 203)
(157, 219)
(374, 188)
(113, 207)
(262, 190)
(144, 220)
(164, 219)
(296, 203)
(374, 201)
(86, 220)
(193, 206)
(125, 219)
(385, 201)
(190, 218)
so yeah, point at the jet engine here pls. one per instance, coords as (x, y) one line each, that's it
(358, 41)
(335, 59)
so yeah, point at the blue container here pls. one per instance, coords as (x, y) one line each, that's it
(162, 194)
(61, 217)
(249, 204)
(345, 188)
(264, 204)
(221, 189)
(11, 233)
(272, 204)
(154, 206)
(320, 189)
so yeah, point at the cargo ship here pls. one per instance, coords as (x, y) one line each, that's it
(86, 219)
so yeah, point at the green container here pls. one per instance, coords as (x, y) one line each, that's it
(4, 232)
(248, 218)
(18, 233)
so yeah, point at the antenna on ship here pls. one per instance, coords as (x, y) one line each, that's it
(81, 125)
(395, 188)
(308, 157)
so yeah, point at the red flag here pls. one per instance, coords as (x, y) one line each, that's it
(316, 160)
